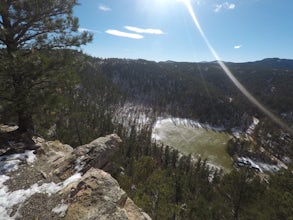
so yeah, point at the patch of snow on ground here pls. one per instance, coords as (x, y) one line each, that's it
(9, 163)
(79, 164)
(60, 209)
(251, 128)
(237, 132)
(287, 160)
(30, 156)
(261, 167)
(9, 199)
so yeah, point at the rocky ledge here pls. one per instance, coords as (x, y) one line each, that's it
(55, 181)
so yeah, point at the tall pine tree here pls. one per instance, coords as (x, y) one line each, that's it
(28, 27)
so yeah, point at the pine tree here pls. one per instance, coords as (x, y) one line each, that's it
(27, 27)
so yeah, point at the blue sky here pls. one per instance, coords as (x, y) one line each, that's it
(160, 30)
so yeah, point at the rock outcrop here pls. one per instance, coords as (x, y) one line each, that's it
(56, 181)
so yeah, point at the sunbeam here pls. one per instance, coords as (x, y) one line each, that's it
(228, 72)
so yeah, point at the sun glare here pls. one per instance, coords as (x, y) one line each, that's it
(168, 1)
(162, 2)
(228, 72)
(184, 1)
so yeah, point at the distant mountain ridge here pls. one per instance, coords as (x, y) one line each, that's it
(276, 63)
(273, 63)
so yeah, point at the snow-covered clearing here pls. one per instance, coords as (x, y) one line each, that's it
(192, 137)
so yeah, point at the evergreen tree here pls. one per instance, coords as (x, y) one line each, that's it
(28, 26)
(239, 190)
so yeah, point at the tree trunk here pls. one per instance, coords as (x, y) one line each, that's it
(23, 108)
(25, 121)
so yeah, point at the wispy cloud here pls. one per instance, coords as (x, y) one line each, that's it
(124, 34)
(217, 8)
(137, 32)
(104, 8)
(88, 30)
(237, 47)
(144, 31)
(230, 6)
(225, 5)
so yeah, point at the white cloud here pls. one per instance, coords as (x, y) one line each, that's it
(225, 5)
(104, 8)
(124, 34)
(217, 8)
(137, 32)
(237, 47)
(144, 31)
(88, 30)
(230, 6)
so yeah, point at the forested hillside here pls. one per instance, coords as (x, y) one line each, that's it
(203, 92)
(103, 96)
(112, 94)
(196, 89)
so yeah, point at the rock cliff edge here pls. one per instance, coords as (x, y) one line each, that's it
(55, 181)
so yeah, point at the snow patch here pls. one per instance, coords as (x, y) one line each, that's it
(253, 125)
(236, 132)
(9, 199)
(30, 156)
(261, 167)
(79, 164)
(60, 209)
(9, 163)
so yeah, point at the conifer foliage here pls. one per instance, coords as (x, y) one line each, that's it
(28, 27)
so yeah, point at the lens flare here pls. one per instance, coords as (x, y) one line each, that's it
(228, 72)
